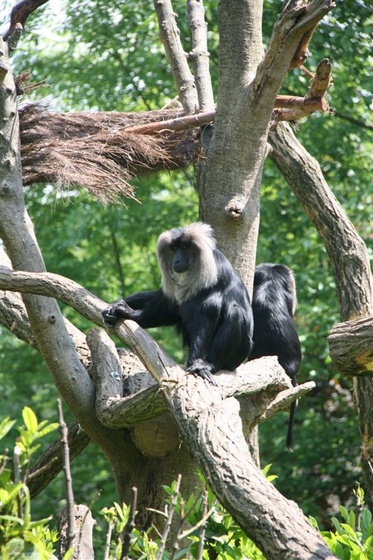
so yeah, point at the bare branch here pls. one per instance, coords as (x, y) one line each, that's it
(170, 37)
(50, 464)
(179, 123)
(200, 55)
(20, 13)
(321, 80)
(70, 533)
(346, 249)
(285, 398)
(295, 22)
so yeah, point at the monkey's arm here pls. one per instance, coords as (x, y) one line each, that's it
(148, 309)
(201, 327)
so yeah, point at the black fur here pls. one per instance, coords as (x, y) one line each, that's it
(201, 295)
(274, 302)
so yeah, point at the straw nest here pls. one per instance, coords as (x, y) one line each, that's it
(94, 151)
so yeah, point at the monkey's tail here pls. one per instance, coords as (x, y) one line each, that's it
(289, 437)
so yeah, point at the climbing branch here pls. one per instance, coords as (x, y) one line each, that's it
(199, 54)
(170, 37)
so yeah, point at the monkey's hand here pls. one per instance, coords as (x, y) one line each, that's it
(201, 368)
(115, 312)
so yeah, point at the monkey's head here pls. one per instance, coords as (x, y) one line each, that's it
(186, 259)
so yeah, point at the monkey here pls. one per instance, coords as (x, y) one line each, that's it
(274, 303)
(202, 295)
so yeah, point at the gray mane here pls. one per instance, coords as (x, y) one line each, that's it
(202, 273)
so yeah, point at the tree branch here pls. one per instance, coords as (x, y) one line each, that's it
(351, 266)
(351, 346)
(296, 20)
(347, 251)
(20, 13)
(50, 464)
(200, 55)
(170, 37)
(47, 323)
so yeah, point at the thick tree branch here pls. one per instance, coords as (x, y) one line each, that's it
(211, 427)
(351, 346)
(47, 323)
(257, 377)
(170, 37)
(347, 251)
(200, 55)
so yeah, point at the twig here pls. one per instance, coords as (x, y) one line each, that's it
(201, 544)
(20, 13)
(169, 518)
(17, 476)
(126, 534)
(170, 37)
(108, 540)
(66, 468)
(200, 55)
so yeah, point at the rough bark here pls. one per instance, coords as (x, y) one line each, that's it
(46, 321)
(351, 346)
(211, 427)
(248, 84)
(83, 529)
(351, 267)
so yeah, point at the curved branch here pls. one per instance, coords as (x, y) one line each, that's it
(20, 13)
(347, 251)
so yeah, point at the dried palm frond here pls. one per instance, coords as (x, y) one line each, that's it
(94, 151)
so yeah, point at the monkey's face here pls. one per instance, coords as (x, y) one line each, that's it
(182, 257)
(177, 251)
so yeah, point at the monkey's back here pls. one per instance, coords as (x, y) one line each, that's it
(274, 328)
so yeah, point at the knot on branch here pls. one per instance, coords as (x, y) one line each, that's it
(235, 209)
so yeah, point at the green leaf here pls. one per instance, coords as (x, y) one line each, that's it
(48, 429)
(30, 420)
(7, 495)
(5, 426)
(366, 524)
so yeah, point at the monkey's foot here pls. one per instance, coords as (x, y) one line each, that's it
(200, 368)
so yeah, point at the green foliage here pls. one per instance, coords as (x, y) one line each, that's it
(20, 537)
(353, 537)
(201, 521)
